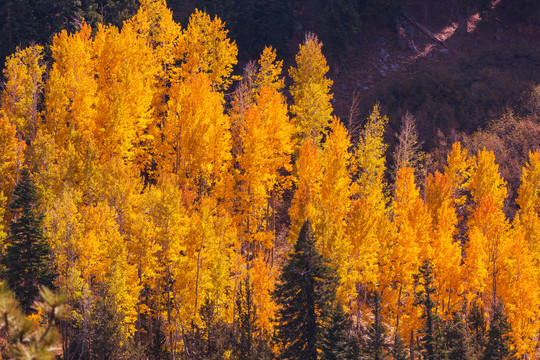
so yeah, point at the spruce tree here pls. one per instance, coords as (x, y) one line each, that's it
(338, 342)
(424, 291)
(498, 345)
(457, 339)
(399, 351)
(376, 334)
(27, 263)
(245, 322)
(476, 323)
(305, 293)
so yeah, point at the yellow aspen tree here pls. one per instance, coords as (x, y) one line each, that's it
(485, 180)
(196, 138)
(369, 204)
(406, 251)
(170, 226)
(65, 228)
(520, 292)
(206, 49)
(202, 272)
(70, 92)
(254, 79)
(310, 91)
(21, 97)
(486, 251)
(11, 156)
(369, 225)
(528, 216)
(121, 187)
(304, 205)
(263, 277)
(154, 22)
(266, 147)
(126, 73)
(445, 250)
(370, 162)
(522, 269)
(102, 258)
(457, 172)
(488, 231)
(269, 73)
(335, 203)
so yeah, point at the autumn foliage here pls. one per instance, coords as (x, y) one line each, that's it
(165, 192)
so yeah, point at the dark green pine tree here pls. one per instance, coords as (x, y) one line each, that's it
(338, 341)
(399, 351)
(27, 263)
(158, 347)
(498, 345)
(305, 293)
(457, 341)
(476, 324)
(376, 334)
(245, 322)
(424, 291)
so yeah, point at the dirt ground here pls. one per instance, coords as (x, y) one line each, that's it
(380, 57)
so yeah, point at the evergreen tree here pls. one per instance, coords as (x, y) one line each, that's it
(399, 351)
(26, 339)
(457, 339)
(338, 342)
(376, 332)
(245, 320)
(158, 347)
(209, 341)
(305, 292)
(498, 345)
(27, 263)
(476, 323)
(424, 295)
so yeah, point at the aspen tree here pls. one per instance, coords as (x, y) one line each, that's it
(310, 91)
(11, 156)
(335, 201)
(154, 23)
(126, 73)
(266, 147)
(205, 48)
(71, 89)
(20, 100)
(445, 254)
(368, 223)
(406, 251)
(196, 139)
(304, 205)
(522, 270)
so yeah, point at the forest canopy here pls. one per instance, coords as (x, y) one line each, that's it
(174, 202)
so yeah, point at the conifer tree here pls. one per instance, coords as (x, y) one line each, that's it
(246, 320)
(399, 351)
(305, 292)
(476, 323)
(457, 342)
(498, 344)
(424, 295)
(376, 332)
(27, 262)
(338, 342)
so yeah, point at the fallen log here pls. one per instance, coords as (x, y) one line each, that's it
(426, 31)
